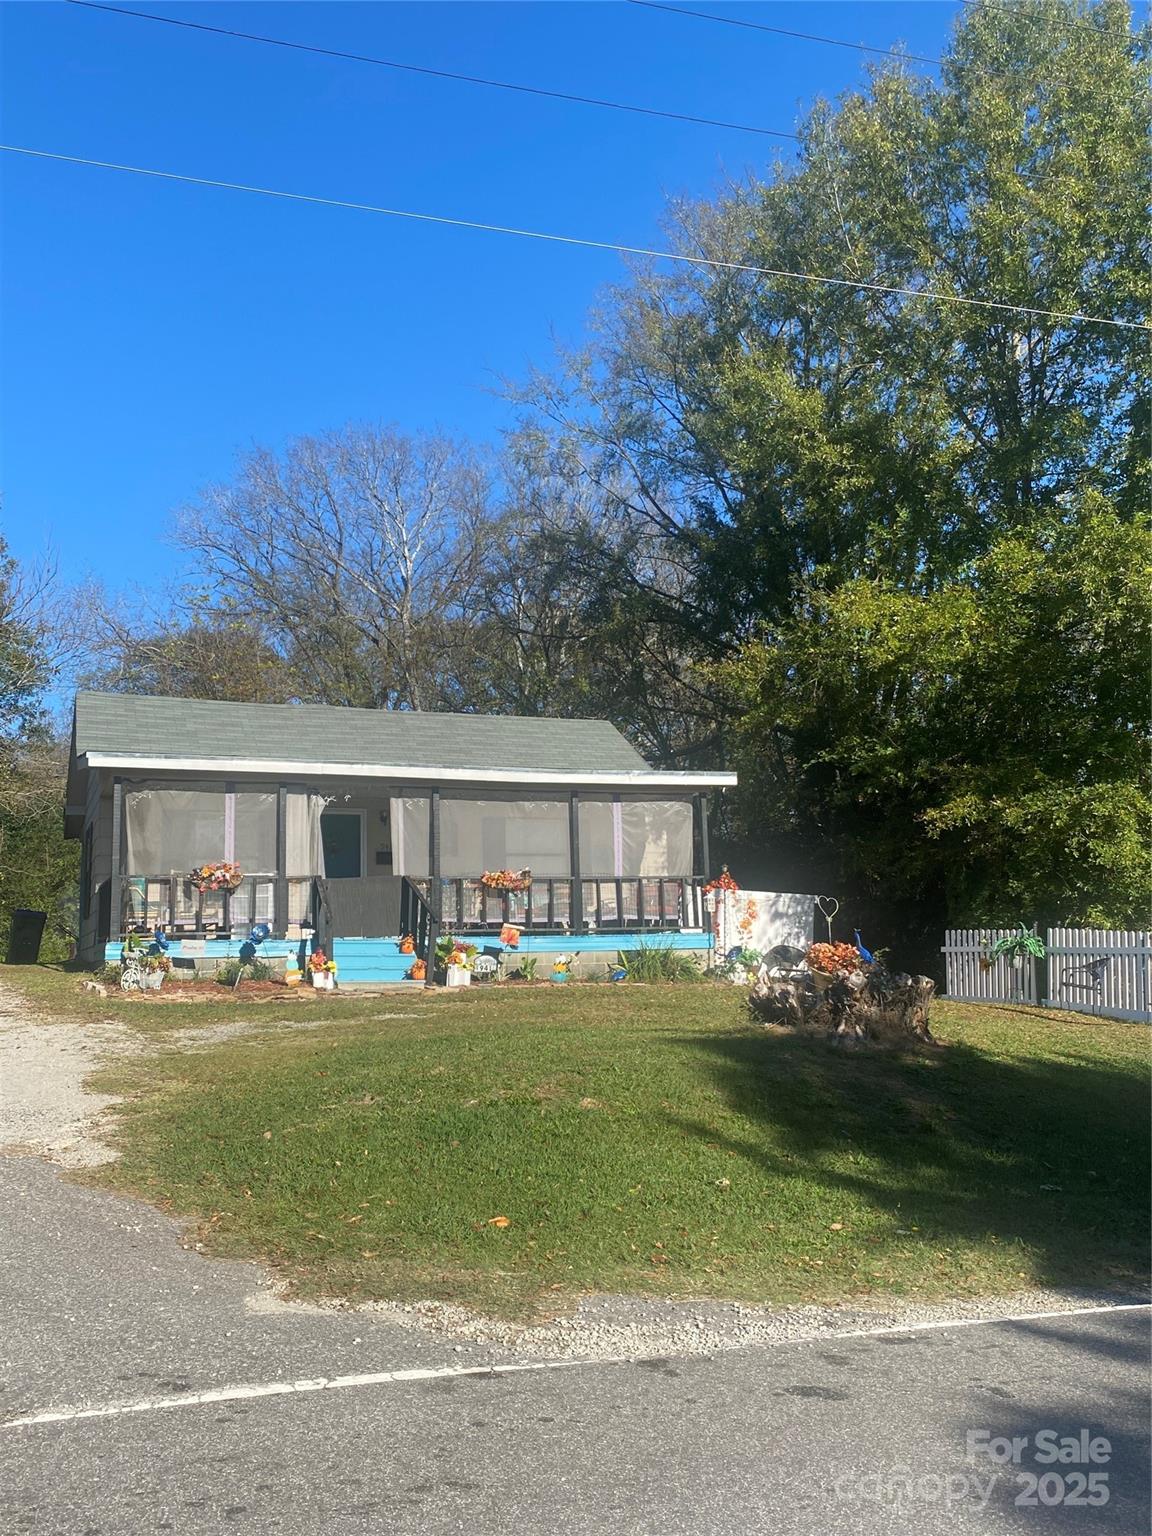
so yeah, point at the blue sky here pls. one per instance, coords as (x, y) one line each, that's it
(151, 331)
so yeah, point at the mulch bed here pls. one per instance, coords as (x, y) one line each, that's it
(209, 991)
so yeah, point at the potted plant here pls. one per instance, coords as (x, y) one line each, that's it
(832, 962)
(1019, 947)
(455, 957)
(458, 970)
(323, 971)
(156, 967)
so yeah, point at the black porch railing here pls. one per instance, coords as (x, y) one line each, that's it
(382, 906)
(608, 902)
(174, 903)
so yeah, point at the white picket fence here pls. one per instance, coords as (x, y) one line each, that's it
(970, 977)
(1101, 971)
(1078, 978)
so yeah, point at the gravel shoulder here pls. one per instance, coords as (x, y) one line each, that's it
(632, 1327)
(45, 1107)
(47, 1111)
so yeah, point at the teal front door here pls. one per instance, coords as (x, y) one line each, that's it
(342, 835)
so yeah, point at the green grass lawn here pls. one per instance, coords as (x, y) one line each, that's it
(57, 990)
(645, 1139)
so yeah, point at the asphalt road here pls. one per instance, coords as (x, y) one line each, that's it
(101, 1309)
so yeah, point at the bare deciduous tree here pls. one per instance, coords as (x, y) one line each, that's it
(359, 554)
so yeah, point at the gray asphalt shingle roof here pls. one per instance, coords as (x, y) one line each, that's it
(160, 727)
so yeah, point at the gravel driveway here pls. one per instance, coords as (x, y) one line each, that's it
(44, 1105)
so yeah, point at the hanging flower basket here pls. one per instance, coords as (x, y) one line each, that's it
(506, 879)
(221, 876)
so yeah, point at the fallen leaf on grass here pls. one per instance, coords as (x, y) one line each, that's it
(837, 1226)
(499, 1221)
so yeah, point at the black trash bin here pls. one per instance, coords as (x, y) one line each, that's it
(24, 936)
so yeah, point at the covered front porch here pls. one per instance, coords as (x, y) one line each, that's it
(353, 865)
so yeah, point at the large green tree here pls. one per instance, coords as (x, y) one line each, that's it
(840, 466)
(976, 750)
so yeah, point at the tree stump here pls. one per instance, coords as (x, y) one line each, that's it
(852, 1006)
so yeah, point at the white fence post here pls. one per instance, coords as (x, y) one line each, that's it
(1100, 971)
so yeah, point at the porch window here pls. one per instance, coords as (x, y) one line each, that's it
(410, 823)
(476, 835)
(655, 837)
(631, 838)
(253, 831)
(168, 831)
(619, 838)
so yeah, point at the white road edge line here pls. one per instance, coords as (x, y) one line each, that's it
(425, 1373)
(287, 1388)
(977, 1322)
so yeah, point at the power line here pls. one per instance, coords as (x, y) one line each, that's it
(279, 42)
(808, 37)
(437, 74)
(758, 26)
(595, 245)
(1079, 23)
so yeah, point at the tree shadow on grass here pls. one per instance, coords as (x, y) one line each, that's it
(962, 1146)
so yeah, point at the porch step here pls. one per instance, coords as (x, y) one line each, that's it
(377, 960)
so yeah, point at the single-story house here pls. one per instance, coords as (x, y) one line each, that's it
(352, 828)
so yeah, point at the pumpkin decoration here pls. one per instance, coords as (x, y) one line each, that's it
(417, 971)
(407, 945)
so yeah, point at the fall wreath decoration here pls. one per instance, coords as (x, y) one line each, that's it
(722, 882)
(506, 879)
(221, 876)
